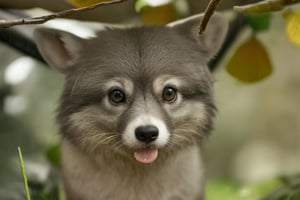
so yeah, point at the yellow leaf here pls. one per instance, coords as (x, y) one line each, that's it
(83, 3)
(250, 62)
(293, 26)
(153, 15)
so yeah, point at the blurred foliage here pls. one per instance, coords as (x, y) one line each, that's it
(51, 188)
(221, 189)
(161, 12)
(250, 62)
(41, 191)
(244, 66)
(53, 155)
(279, 188)
(258, 22)
(83, 3)
(293, 26)
(158, 14)
(289, 190)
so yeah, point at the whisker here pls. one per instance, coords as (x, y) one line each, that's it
(74, 86)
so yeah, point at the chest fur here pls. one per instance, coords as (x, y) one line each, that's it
(180, 178)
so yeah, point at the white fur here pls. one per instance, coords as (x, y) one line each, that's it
(144, 120)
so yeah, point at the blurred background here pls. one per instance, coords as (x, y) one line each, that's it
(257, 129)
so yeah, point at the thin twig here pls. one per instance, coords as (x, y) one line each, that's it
(45, 18)
(212, 6)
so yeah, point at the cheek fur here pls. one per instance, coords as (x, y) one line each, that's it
(186, 109)
(90, 129)
(192, 122)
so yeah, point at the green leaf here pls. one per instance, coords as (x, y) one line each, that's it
(250, 62)
(259, 22)
(140, 5)
(53, 155)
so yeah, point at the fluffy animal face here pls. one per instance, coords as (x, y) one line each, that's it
(140, 92)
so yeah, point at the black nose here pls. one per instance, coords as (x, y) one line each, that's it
(146, 134)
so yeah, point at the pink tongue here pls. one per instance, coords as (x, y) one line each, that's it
(146, 156)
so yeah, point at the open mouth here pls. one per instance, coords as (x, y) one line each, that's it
(146, 155)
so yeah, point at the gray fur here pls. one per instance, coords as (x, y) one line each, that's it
(96, 164)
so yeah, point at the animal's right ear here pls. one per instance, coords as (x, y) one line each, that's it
(60, 49)
(211, 40)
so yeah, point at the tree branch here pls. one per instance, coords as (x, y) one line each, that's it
(210, 9)
(265, 6)
(45, 18)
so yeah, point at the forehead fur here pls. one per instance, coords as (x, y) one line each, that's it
(140, 53)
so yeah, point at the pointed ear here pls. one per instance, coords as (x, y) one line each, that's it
(211, 40)
(60, 49)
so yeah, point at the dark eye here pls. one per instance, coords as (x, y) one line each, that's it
(169, 94)
(116, 96)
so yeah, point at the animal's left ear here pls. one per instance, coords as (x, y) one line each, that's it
(211, 40)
